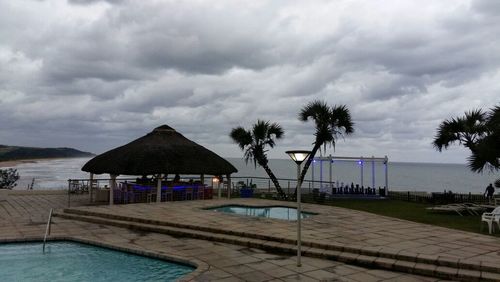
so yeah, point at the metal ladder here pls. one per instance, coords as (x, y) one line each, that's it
(47, 230)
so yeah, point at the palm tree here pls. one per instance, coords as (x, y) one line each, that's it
(254, 142)
(330, 122)
(478, 131)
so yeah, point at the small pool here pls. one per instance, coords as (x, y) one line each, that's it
(68, 261)
(285, 213)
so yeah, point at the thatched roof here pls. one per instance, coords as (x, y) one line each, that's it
(163, 150)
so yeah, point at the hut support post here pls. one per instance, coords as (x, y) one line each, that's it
(229, 186)
(218, 189)
(202, 179)
(91, 182)
(112, 185)
(158, 189)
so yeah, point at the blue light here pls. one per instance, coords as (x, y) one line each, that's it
(138, 187)
(360, 162)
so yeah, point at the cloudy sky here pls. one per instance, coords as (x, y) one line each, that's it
(96, 74)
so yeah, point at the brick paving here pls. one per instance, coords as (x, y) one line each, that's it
(332, 226)
(23, 217)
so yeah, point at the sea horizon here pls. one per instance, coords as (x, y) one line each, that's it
(403, 176)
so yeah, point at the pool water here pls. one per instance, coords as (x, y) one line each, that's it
(284, 213)
(68, 261)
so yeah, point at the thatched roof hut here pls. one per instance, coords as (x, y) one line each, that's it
(162, 151)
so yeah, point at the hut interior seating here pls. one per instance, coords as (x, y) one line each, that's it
(167, 194)
(179, 194)
(146, 192)
(151, 196)
(200, 192)
(208, 192)
(188, 193)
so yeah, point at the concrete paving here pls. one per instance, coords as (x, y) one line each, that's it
(331, 227)
(23, 217)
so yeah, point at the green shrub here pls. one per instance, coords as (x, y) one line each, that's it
(8, 178)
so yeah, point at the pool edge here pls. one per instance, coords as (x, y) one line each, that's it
(200, 266)
(212, 208)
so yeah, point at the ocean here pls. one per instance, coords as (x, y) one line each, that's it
(428, 177)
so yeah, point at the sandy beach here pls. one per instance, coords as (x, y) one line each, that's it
(15, 163)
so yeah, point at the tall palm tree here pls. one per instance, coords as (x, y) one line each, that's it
(330, 123)
(254, 142)
(478, 131)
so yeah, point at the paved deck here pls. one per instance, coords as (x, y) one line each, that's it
(332, 226)
(23, 217)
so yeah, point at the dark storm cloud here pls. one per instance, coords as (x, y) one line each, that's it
(88, 2)
(96, 74)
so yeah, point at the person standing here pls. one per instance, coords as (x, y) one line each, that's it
(489, 192)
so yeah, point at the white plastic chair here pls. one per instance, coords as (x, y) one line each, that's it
(496, 200)
(490, 218)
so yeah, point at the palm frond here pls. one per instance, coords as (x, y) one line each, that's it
(494, 119)
(254, 142)
(478, 131)
(241, 137)
(448, 133)
(316, 110)
(486, 154)
(249, 156)
(475, 125)
(330, 122)
(276, 130)
(341, 118)
(259, 131)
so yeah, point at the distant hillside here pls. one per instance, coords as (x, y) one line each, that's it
(9, 153)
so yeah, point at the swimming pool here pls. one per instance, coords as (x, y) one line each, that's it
(285, 213)
(68, 261)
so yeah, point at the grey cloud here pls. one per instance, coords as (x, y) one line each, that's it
(487, 7)
(109, 73)
(88, 2)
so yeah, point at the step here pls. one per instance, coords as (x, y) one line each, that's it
(453, 271)
(426, 259)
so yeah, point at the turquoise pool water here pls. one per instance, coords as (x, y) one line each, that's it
(68, 261)
(269, 212)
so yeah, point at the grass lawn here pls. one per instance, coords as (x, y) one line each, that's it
(413, 212)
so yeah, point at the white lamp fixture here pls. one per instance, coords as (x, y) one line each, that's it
(298, 156)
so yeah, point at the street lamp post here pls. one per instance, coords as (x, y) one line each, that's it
(298, 157)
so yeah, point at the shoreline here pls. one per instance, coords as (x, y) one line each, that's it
(14, 163)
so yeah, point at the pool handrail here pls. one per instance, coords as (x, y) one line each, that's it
(47, 230)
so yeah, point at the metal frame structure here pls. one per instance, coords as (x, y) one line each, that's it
(361, 161)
